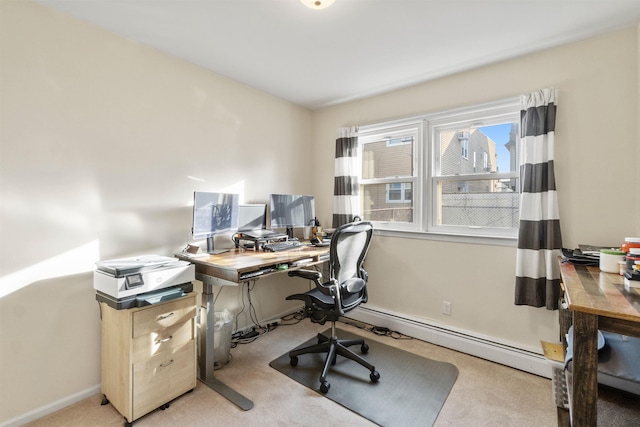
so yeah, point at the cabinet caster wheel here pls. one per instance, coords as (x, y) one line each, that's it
(165, 406)
(375, 376)
(324, 387)
(364, 349)
(127, 423)
(294, 361)
(105, 401)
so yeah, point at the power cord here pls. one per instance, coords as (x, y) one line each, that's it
(256, 330)
(377, 330)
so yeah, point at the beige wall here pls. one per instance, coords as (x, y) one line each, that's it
(596, 170)
(99, 136)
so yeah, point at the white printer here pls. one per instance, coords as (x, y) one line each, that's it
(142, 280)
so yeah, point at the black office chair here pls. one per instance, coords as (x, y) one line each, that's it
(345, 290)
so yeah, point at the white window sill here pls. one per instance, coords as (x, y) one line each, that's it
(448, 237)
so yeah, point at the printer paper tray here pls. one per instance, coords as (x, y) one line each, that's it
(148, 298)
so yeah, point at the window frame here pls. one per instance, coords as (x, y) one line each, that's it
(391, 130)
(424, 188)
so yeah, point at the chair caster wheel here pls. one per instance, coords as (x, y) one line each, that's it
(293, 361)
(324, 387)
(375, 376)
(364, 349)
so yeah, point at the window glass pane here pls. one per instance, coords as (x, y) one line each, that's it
(480, 203)
(395, 192)
(495, 143)
(387, 202)
(388, 158)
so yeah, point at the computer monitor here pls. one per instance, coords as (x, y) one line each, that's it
(214, 213)
(291, 210)
(252, 217)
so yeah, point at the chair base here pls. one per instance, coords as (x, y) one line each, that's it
(334, 348)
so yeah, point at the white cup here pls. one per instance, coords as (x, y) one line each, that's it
(609, 260)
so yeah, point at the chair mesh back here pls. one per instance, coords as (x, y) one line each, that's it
(349, 246)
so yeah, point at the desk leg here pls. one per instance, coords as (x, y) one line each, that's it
(205, 360)
(585, 370)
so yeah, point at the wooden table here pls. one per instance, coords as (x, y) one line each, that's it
(597, 300)
(229, 269)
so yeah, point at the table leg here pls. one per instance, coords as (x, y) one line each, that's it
(206, 346)
(585, 370)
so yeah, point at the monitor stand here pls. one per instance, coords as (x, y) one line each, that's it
(210, 248)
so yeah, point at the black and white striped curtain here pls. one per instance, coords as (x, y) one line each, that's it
(539, 239)
(346, 198)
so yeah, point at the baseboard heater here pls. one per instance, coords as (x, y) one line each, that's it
(463, 341)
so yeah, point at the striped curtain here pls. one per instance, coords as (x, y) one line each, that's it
(346, 191)
(539, 239)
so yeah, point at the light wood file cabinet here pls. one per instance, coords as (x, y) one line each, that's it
(148, 355)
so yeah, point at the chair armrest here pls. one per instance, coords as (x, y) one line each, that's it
(314, 275)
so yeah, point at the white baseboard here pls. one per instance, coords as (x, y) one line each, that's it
(51, 408)
(467, 342)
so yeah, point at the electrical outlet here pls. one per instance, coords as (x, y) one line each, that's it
(446, 307)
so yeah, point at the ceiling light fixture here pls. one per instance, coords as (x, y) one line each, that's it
(318, 4)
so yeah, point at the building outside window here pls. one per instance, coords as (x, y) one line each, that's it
(417, 175)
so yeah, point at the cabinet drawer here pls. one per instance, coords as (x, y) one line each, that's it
(166, 340)
(163, 377)
(163, 316)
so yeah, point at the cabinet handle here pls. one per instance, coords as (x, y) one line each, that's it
(164, 365)
(166, 316)
(164, 339)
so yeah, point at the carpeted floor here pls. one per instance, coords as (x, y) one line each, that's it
(410, 392)
(485, 394)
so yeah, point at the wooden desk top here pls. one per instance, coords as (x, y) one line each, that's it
(589, 290)
(230, 265)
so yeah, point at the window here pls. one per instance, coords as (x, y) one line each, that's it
(399, 192)
(455, 172)
(389, 174)
(464, 145)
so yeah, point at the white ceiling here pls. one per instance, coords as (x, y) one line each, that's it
(355, 48)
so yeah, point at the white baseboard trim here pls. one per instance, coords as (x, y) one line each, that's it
(467, 342)
(51, 408)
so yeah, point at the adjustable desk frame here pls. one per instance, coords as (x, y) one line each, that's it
(228, 269)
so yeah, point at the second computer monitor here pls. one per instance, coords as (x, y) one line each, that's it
(252, 217)
(291, 210)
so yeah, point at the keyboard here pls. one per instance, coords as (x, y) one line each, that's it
(281, 246)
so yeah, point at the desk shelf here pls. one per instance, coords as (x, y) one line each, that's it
(229, 267)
